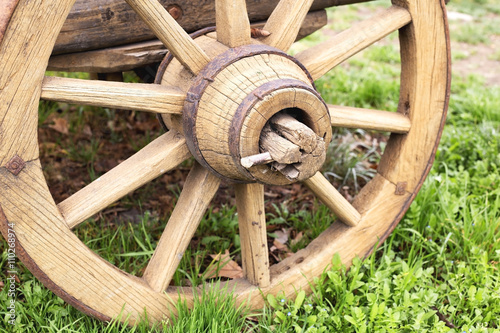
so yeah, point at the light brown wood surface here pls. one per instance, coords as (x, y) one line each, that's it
(281, 149)
(233, 26)
(221, 100)
(128, 57)
(380, 209)
(424, 94)
(323, 57)
(253, 233)
(19, 101)
(329, 195)
(126, 96)
(175, 39)
(295, 131)
(158, 157)
(92, 26)
(8, 7)
(199, 189)
(285, 21)
(55, 255)
(349, 117)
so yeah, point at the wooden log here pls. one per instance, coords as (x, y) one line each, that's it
(281, 150)
(295, 131)
(135, 55)
(280, 138)
(97, 24)
(258, 159)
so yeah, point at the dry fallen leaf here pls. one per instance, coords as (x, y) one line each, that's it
(282, 235)
(227, 268)
(277, 245)
(297, 238)
(60, 125)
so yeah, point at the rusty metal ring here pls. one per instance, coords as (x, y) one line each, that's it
(246, 106)
(206, 77)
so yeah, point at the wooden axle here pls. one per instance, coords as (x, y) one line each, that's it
(290, 146)
(229, 103)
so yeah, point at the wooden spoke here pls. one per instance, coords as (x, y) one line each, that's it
(171, 34)
(199, 189)
(119, 95)
(233, 26)
(325, 192)
(344, 116)
(161, 155)
(322, 58)
(285, 21)
(252, 223)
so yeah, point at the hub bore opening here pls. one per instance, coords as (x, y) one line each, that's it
(291, 145)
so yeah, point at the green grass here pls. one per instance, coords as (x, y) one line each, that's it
(440, 265)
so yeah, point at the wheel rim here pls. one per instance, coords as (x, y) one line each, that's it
(94, 286)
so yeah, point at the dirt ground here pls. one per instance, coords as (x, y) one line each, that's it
(477, 59)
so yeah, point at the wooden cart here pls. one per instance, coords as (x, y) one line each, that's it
(215, 91)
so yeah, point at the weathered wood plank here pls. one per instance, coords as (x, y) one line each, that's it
(128, 57)
(164, 26)
(424, 94)
(95, 24)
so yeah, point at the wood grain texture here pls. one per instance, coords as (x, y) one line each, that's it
(128, 57)
(59, 258)
(295, 131)
(222, 98)
(281, 149)
(424, 94)
(381, 211)
(158, 157)
(7, 7)
(126, 96)
(285, 21)
(111, 59)
(28, 30)
(233, 26)
(253, 234)
(97, 24)
(325, 56)
(175, 39)
(66, 265)
(329, 195)
(199, 189)
(349, 117)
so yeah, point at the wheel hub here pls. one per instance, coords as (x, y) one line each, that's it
(230, 101)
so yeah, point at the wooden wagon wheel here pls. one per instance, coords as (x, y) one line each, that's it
(237, 83)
